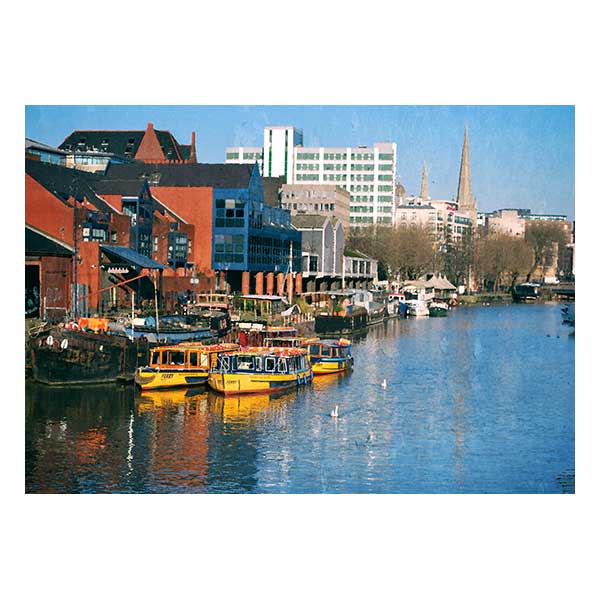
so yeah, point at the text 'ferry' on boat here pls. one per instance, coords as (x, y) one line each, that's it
(260, 369)
(180, 365)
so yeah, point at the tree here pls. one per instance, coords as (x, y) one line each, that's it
(548, 240)
(501, 259)
(405, 253)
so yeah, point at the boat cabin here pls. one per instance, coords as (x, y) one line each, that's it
(263, 360)
(318, 349)
(188, 356)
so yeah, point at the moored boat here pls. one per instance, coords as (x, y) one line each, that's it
(329, 356)
(260, 369)
(179, 365)
(526, 292)
(73, 355)
(416, 308)
(438, 309)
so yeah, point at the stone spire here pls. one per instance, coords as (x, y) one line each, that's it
(424, 190)
(464, 196)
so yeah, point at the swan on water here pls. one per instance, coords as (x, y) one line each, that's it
(384, 384)
(334, 412)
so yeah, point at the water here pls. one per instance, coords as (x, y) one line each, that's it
(479, 402)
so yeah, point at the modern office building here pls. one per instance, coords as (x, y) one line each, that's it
(366, 172)
(244, 155)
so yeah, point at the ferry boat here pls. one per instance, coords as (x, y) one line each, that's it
(260, 369)
(180, 365)
(329, 356)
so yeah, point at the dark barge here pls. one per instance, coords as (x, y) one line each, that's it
(64, 356)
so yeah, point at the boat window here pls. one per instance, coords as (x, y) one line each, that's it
(155, 358)
(334, 352)
(282, 366)
(315, 350)
(204, 360)
(343, 351)
(223, 364)
(258, 362)
(326, 351)
(175, 357)
(193, 359)
(245, 363)
(269, 364)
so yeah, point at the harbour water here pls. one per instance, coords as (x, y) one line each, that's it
(482, 401)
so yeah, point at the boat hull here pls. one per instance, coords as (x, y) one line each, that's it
(254, 383)
(330, 366)
(154, 379)
(438, 312)
(77, 358)
(341, 324)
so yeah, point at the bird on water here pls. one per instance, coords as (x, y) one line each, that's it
(384, 384)
(334, 412)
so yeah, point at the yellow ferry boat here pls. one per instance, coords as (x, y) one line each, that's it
(180, 365)
(329, 356)
(260, 369)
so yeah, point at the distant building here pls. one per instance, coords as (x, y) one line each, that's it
(317, 199)
(442, 218)
(322, 250)
(92, 150)
(367, 173)
(242, 155)
(514, 221)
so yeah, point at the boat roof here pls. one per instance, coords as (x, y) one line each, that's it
(198, 346)
(268, 351)
(328, 342)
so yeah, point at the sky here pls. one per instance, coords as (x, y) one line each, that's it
(521, 156)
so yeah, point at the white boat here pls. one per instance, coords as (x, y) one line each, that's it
(416, 308)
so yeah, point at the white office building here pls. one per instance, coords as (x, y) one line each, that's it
(366, 172)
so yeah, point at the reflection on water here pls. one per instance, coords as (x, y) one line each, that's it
(482, 401)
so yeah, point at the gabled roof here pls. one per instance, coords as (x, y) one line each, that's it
(119, 188)
(438, 283)
(40, 243)
(65, 182)
(122, 143)
(222, 176)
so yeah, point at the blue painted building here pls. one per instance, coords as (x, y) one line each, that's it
(250, 235)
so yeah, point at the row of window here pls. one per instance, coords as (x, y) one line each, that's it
(313, 207)
(342, 156)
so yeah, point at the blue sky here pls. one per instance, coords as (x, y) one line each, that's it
(521, 156)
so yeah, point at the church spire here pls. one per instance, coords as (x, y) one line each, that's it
(464, 195)
(424, 190)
